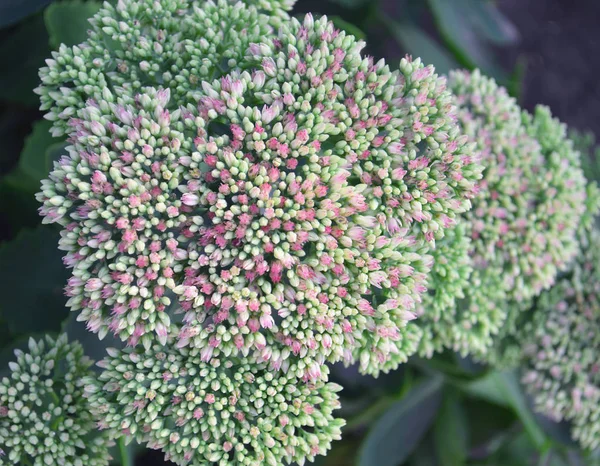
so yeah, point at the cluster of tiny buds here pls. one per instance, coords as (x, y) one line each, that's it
(249, 197)
(521, 231)
(172, 43)
(222, 412)
(114, 196)
(290, 209)
(44, 418)
(561, 344)
(550, 241)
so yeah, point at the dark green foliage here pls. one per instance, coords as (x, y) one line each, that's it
(397, 432)
(12, 11)
(67, 21)
(451, 435)
(33, 277)
(22, 52)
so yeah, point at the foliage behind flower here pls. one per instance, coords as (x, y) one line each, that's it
(231, 411)
(44, 417)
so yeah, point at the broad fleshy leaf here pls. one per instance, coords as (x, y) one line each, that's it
(33, 277)
(67, 21)
(418, 43)
(394, 436)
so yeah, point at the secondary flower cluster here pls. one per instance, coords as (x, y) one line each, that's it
(229, 411)
(44, 417)
(561, 348)
(521, 231)
(175, 44)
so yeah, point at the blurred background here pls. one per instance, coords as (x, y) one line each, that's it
(446, 411)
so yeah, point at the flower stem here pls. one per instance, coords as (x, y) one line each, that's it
(125, 454)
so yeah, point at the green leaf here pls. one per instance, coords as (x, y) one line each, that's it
(93, 347)
(452, 19)
(15, 124)
(34, 160)
(425, 453)
(518, 452)
(131, 452)
(22, 53)
(451, 432)
(350, 28)
(18, 187)
(370, 412)
(54, 152)
(490, 425)
(125, 453)
(511, 388)
(516, 78)
(68, 21)
(503, 388)
(33, 277)
(486, 388)
(18, 207)
(5, 336)
(419, 44)
(490, 23)
(351, 3)
(12, 11)
(395, 435)
(342, 452)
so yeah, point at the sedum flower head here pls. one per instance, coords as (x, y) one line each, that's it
(523, 222)
(230, 411)
(561, 346)
(277, 10)
(565, 161)
(516, 332)
(175, 44)
(115, 194)
(396, 134)
(290, 208)
(448, 314)
(44, 417)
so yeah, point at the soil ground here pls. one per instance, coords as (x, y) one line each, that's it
(560, 40)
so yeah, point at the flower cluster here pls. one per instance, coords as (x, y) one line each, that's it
(574, 211)
(561, 347)
(464, 310)
(230, 411)
(175, 44)
(115, 195)
(44, 417)
(249, 197)
(522, 228)
(375, 131)
(290, 208)
(286, 209)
